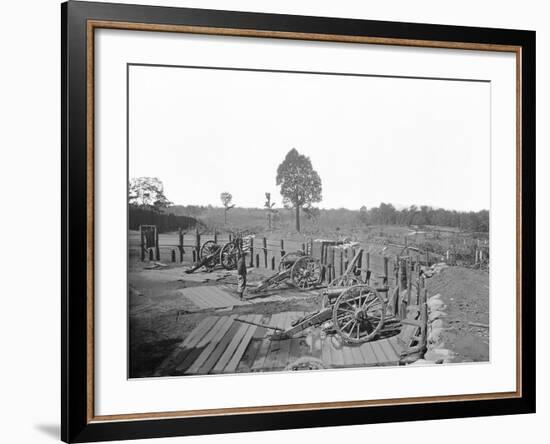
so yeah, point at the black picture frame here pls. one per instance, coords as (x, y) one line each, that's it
(76, 423)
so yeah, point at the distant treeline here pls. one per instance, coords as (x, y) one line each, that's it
(386, 214)
(339, 218)
(165, 222)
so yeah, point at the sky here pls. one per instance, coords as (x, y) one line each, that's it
(401, 141)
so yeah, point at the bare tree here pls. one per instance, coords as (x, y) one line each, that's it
(270, 210)
(226, 199)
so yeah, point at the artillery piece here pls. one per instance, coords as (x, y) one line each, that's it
(355, 309)
(212, 254)
(296, 269)
(357, 314)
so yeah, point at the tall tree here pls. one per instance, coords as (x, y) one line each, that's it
(300, 183)
(147, 193)
(226, 199)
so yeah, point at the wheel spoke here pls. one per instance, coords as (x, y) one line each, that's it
(347, 323)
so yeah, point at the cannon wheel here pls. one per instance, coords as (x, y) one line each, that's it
(228, 256)
(305, 273)
(289, 259)
(208, 248)
(358, 314)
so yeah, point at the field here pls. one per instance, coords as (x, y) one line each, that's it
(169, 308)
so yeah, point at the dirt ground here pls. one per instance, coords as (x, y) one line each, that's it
(465, 293)
(160, 318)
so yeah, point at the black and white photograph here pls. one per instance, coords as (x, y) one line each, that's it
(285, 221)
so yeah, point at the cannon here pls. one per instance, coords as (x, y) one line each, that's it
(357, 314)
(212, 254)
(296, 269)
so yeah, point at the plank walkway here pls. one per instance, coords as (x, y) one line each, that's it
(224, 344)
(210, 296)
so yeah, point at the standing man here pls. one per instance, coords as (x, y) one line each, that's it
(241, 272)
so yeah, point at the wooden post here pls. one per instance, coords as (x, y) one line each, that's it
(322, 253)
(151, 257)
(385, 281)
(428, 258)
(215, 236)
(402, 275)
(409, 280)
(142, 245)
(273, 262)
(402, 309)
(396, 270)
(197, 243)
(251, 251)
(194, 256)
(181, 244)
(257, 260)
(157, 248)
(395, 306)
(229, 237)
(341, 262)
(424, 321)
(311, 246)
(367, 260)
(282, 247)
(304, 248)
(173, 255)
(359, 264)
(265, 252)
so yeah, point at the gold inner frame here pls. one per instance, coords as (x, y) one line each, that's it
(96, 24)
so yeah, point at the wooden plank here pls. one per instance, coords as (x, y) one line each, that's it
(199, 299)
(230, 350)
(349, 360)
(221, 330)
(316, 344)
(197, 349)
(220, 349)
(335, 350)
(266, 345)
(396, 347)
(282, 357)
(389, 351)
(187, 345)
(226, 299)
(407, 334)
(358, 359)
(277, 346)
(299, 345)
(179, 348)
(368, 354)
(325, 351)
(249, 357)
(380, 356)
(234, 361)
(213, 297)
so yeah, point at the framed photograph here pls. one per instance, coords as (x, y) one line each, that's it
(275, 221)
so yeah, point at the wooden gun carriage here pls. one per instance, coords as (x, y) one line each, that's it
(357, 313)
(296, 269)
(212, 254)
